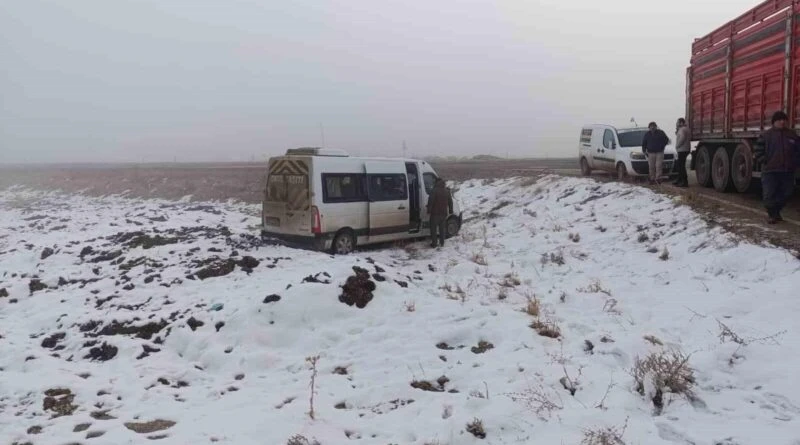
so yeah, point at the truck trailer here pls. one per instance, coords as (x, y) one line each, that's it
(739, 75)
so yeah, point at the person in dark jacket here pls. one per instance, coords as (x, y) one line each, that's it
(777, 150)
(440, 205)
(683, 145)
(653, 145)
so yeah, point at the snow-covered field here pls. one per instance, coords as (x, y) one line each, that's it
(126, 321)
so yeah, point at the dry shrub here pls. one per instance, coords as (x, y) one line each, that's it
(663, 372)
(301, 440)
(554, 258)
(575, 237)
(410, 306)
(533, 307)
(643, 238)
(653, 340)
(601, 229)
(455, 293)
(604, 436)
(664, 255)
(476, 429)
(539, 399)
(595, 287)
(547, 328)
(510, 279)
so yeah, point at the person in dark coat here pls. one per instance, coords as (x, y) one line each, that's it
(653, 145)
(778, 151)
(683, 144)
(440, 205)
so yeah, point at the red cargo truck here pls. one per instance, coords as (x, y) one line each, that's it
(739, 75)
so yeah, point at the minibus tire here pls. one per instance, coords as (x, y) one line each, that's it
(344, 243)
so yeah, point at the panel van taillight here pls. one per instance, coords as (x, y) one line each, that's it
(316, 222)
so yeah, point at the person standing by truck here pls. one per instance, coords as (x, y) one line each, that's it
(653, 145)
(778, 151)
(683, 145)
(440, 204)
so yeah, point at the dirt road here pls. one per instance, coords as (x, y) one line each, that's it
(740, 213)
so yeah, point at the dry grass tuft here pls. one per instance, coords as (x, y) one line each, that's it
(664, 255)
(643, 237)
(595, 287)
(301, 440)
(575, 237)
(546, 328)
(410, 306)
(533, 307)
(510, 279)
(554, 258)
(605, 436)
(476, 429)
(653, 340)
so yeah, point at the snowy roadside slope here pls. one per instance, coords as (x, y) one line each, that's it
(591, 254)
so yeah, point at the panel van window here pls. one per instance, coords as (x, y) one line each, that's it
(276, 188)
(297, 192)
(343, 188)
(388, 187)
(608, 139)
(586, 136)
(430, 180)
(631, 138)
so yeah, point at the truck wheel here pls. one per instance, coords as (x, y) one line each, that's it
(742, 168)
(702, 166)
(453, 227)
(721, 170)
(622, 172)
(344, 243)
(585, 169)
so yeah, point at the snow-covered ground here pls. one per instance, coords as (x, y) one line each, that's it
(112, 337)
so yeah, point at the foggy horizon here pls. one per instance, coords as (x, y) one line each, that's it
(157, 82)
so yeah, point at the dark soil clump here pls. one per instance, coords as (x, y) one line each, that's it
(482, 347)
(59, 402)
(274, 298)
(52, 341)
(145, 331)
(102, 353)
(46, 253)
(194, 323)
(36, 286)
(248, 263)
(218, 268)
(358, 288)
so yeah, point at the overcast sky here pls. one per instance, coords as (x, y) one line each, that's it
(195, 80)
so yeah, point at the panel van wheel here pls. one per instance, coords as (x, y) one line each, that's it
(344, 243)
(721, 170)
(742, 168)
(622, 172)
(453, 227)
(702, 166)
(585, 169)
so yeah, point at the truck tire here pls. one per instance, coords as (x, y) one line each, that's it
(702, 166)
(721, 170)
(742, 168)
(585, 169)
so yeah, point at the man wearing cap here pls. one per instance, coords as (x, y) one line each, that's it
(653, 145)
(777, 150)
